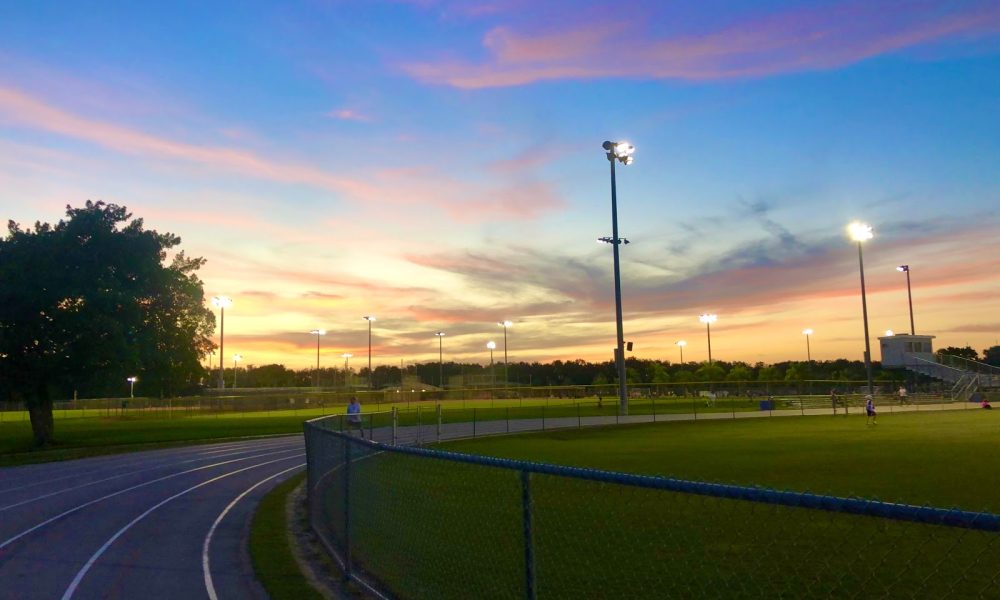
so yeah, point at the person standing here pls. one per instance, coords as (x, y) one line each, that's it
(354, 416)
(870, 410)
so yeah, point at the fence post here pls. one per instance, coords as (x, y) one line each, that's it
(654, 409)
(395, 423)
(473, 422)
(347, 509)
(529, 541)
(439, 422)
(508, 419)
(543, 418)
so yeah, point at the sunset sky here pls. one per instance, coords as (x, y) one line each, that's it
(438, 164)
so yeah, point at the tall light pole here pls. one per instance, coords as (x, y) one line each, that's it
(708, 319)
(317, 333)
(909, 294)
(347, 368)
(131, 385)
(493, 380)
(621, 152)
(807, 333)
(680, 344)
(861, 232)
(222, 303)
(236, 359)
(440, 336)
(370, 320)
(506, 377)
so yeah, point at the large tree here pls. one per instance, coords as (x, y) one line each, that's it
(91, 300)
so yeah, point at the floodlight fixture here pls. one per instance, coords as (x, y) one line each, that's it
(860, 232)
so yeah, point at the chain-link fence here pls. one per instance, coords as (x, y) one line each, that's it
(410, 522)
(652, 399)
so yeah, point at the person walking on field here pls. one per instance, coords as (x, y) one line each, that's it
(870, 410)
(354, 416)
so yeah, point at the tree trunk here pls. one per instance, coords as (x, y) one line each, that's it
(40, 411)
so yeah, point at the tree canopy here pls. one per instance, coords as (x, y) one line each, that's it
(91, 300)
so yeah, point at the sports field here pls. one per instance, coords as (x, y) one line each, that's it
(437, 529)
(103, 426)
(946, 458)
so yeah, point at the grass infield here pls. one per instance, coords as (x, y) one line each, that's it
(430, 528)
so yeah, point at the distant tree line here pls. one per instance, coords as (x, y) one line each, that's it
(575, 372)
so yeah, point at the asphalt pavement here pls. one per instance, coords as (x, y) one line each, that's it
(148, 525)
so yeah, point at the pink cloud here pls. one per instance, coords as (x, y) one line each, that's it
(465, 200)
(799, 40)
(22, 109)
(348, 114)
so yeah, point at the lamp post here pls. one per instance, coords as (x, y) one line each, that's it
(506, 377)
(317, 333)
(131, 385)
(621, 152)
(708, 319)
(347, 368)
(680, 345)
(236, 359)
(493, 380)
(909, 294)
(861, 232)
(222, 303)
(370, 319)
(807, 333)
(440, 336)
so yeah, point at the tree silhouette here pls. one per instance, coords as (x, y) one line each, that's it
(87, 302)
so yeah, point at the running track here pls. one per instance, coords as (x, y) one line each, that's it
(149, 525)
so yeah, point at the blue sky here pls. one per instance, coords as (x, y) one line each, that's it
(438, 164)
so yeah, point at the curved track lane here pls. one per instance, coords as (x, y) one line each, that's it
(151, 525)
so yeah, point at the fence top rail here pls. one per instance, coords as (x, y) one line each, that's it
(339, 415)
(982, 521)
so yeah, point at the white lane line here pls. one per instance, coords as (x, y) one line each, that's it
(83, 571)
(205, 567)
(11, 540)
(164, 465)
(108, 463)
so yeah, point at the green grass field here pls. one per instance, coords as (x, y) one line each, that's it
(947, 458)
(88, 431)
(435, 529)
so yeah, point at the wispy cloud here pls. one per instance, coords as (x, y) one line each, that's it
(465, 199)
(349, 114)
(24, 110)
(617, 46)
